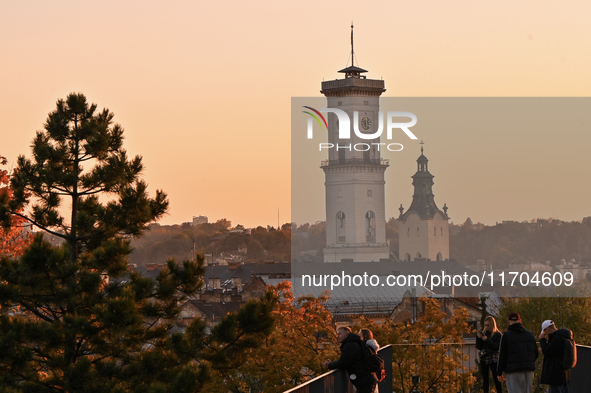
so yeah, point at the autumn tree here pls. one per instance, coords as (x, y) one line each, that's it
(15, 237)
(302, 339)
(428, 348)
(573, 313)
(85, 324)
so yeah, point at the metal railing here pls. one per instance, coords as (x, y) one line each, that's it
(337, 381)
(356, 161)
(353, 82)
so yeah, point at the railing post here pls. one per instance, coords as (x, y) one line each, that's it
(386, 354)
(580, 376)
(341, 383)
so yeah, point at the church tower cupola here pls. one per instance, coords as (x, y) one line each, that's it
(423, 200)
(423, 228)
(422, 162)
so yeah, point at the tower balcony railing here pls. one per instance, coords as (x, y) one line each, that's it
(356, 161)
(353, 82)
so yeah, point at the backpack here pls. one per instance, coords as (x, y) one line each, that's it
(372, 362)
(569, 356)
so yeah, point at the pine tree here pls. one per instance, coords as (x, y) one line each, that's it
(84, 323)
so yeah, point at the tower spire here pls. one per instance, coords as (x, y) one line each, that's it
(422, 143)
(352, 51)
(354, 71)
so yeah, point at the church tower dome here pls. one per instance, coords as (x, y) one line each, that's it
(423, 228)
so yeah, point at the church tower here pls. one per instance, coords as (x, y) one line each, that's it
(423, 231)
(354, 171)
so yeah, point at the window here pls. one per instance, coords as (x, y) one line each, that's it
(341, 228)
(370, 226)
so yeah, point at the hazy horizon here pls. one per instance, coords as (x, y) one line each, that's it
(203, 90)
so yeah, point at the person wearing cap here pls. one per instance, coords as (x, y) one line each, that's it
(517, 357)
(552, 341)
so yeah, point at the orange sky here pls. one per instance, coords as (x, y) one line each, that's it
(203, 89)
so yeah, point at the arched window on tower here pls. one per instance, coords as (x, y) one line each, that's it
(439, 256)
(408, 232)
(434, 231)
(407, 257)
(341, 228)
(417, 231)
(370, 226)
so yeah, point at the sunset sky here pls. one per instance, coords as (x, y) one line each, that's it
(203, 90)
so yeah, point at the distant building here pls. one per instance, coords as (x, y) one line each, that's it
(423, 231)
(210, 313)
(199, 220)
(579, 271)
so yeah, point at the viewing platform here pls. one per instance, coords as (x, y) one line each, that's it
(337, 381)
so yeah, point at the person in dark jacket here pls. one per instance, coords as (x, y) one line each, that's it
(517, 357)
(351, 360)
(552, 341)
(488, 342)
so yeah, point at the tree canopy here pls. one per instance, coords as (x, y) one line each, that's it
(430, 348)
(293, 353)
(83, 323)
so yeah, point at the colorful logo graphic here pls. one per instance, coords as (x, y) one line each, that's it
(316, 118)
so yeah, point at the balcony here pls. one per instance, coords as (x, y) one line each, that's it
(356, 161)
(353, 83)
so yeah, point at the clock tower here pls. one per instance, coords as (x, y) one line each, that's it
(354, 171)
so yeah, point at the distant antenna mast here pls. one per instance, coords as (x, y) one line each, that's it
(277, 218)
(352, 51)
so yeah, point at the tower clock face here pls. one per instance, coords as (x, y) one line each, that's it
(366, 123)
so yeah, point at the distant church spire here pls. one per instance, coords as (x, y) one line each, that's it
(423, 201)
(423, 231)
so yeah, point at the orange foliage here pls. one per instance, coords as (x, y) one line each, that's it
(302, 339)
(15, 238)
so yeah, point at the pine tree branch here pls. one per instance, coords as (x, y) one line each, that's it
(42, 227)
